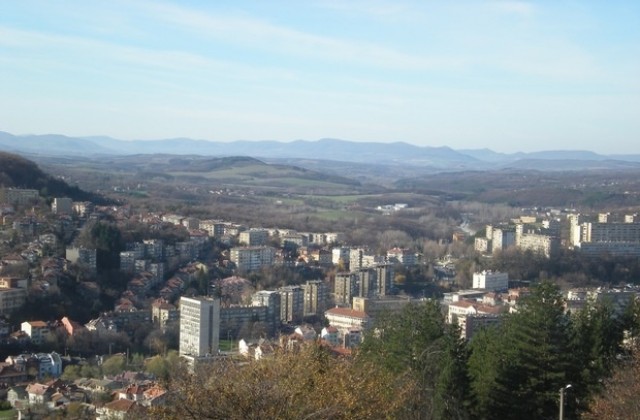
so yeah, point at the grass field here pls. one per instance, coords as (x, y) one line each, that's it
(228, 345)
(8, 414)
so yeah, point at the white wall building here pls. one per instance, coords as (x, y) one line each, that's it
(252, 257)
(199, 326)
(490, 280)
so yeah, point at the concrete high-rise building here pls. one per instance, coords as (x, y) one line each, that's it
(345, 287)
(18, 196)
(402, 256)
(199, 326)
(291, 304)
(315, 297)
(154, 248)
(356, 256)
(270, 299)
(86, 258)
(62, 205)
(252, 257)
(254, 237)
(503, 238)
(367, 282)
(384, 277)
(341, 256)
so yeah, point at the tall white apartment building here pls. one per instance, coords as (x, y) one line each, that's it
(199, 326)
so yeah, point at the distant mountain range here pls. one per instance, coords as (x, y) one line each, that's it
(393, 154)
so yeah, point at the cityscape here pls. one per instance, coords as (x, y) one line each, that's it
(319, 210)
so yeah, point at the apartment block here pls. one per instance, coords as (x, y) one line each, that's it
(199, 326)
(252, 258)
(491, 280)
(291, 304)
(345, 287)
(254, 237)
(315, 297)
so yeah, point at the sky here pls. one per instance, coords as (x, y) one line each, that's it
(506, 75)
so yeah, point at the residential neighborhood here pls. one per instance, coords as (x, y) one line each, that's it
(195, 286)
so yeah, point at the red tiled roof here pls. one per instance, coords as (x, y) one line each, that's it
(463, 304)
(346, 312)
(120, 405)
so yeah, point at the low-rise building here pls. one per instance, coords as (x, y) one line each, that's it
(11, 299)
(378, 305)
(345, 319)
(38, 331)
(163, 312)
(491, 280)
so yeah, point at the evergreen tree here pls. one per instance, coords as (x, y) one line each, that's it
(532, 360)
(452, 383)
(487, 353)
(417, 343)
(598, 335)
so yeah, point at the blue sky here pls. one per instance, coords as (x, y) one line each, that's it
(506, 75)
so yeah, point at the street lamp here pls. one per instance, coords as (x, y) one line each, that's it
(564, 388)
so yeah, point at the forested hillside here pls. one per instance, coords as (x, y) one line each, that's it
(18, 172)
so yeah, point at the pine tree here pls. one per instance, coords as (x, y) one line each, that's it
(527, 363)
(418, 344)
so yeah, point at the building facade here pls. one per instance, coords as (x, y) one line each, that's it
(491, 280)
(199, 326)
(252, 258)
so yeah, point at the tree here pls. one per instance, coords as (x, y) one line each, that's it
(598, 335)
(71, 373)
(114, 365)
(106, 238)
(619, 398)
(530, 360)
(485, 367)
(418, 344)
(309, 384)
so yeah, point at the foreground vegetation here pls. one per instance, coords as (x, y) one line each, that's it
(414, 366)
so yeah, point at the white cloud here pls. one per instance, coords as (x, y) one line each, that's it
(263, 35)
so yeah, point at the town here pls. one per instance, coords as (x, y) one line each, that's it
(190, 291)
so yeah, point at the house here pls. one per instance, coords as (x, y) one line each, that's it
(18, 396)
(58, 399)
(134, 392)
(71, 327)
(353, 337)
(98, 385)
(38, 331)
(473, 316)
(163, 313)
(330, 335)
(307, 333)
(39, 393)
(256, 350)
(464, 308)
(154, 396)
(9, 374)
(118, 409)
